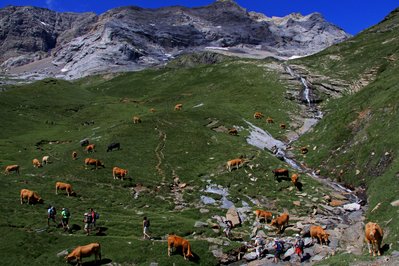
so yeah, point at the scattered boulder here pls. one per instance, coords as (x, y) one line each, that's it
(250, 256)
(199, 224)
(62, 253)
(233, 216)
(352, 207)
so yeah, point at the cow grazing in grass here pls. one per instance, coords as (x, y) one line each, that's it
(373, 237)
(178, 107)
(119, 173)
(36, 163)
(233, 131)
(74, 155)
(178, 242)
(295, 179)
(11, 168)
(114, 145)
(85, 251)
(64, 186)
(235, 163)
(280, 172)
(283, 126)
(90, 148)
(30, 196)
(45, 160)
(95, 162)
(318, 232)
(84, 142)
(281, 222)
(258, 115)
(269, 120)
(261, 214)
(136, 120)
(304, 150)
(152, 110)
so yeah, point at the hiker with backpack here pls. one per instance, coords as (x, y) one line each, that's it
(87, 219)
(146, 227)
(65, 218)
(279, 249)
(94, 217)
(51, 213)
(259, 246)
(299, 244)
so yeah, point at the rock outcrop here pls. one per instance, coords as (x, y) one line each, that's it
(71, 45)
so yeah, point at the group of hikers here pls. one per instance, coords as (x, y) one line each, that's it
(259, 241)
(278, 246)
(89, 219)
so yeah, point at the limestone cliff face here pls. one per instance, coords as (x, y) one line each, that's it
(129, 38)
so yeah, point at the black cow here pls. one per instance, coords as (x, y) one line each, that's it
(84, 142)
(114, 146)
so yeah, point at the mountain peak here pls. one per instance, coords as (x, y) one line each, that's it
(130, 38)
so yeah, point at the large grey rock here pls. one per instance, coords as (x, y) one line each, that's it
(131, 38)
(233, 216)
(250, 256)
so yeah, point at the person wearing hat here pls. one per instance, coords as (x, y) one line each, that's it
(259, 245)
(299, 244)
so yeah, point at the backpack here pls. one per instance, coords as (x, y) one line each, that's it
(88, 218)
(52, 211)
(280, 246)
(300, 243)
(97, 215)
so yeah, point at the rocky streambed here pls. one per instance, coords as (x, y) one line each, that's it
(339, 212)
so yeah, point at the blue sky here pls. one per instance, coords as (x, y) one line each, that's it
(351, 15)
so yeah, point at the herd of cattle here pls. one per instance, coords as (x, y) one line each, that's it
(373, 232)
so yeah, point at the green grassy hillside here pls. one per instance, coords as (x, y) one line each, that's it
(357, 141)
(49, 117)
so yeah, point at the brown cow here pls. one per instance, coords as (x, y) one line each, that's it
(283, 126)
(269, 120)
(136, 119)
(233, 131)
(85, 251)
(304, 150)
(281, 222)
(373, 237)
(178, 242)
(258, 115)
(294, 179)
(74, 155)
(11, 168)
(280, 172)
(63, 186)
(261, 214)
(95, 162)
(90, 148)
(178, 107)
(31, 196)
(36, 163)
(119, 172)
(318, 232)
(235, 163)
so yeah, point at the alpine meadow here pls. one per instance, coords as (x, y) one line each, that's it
(331, 118)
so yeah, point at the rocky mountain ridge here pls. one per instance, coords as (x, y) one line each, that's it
(38, 42)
